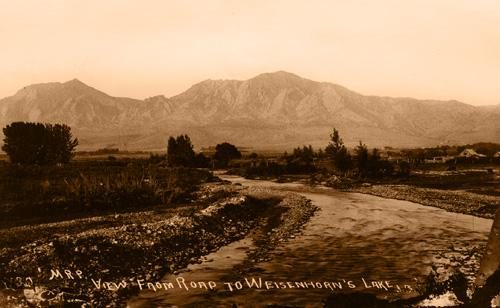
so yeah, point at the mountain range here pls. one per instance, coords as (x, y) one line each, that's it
(276, 110)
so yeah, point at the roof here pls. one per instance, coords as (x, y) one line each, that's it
(470, 153)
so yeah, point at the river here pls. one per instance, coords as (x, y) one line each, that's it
(355, 241)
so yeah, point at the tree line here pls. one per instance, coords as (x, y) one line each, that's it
(334, 158)
(363, 163)
(45, 144)
(180, 153)
(29, 143)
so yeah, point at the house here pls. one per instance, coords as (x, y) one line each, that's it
(470, 153)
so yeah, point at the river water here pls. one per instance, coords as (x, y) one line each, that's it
(354, 243)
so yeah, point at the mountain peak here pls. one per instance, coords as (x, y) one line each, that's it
(77, 86)
(278, 75)
(282, 79)
(75, 82)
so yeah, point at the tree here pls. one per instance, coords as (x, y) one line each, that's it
(253, 155)
(180, 151)
(304, 155)
(37, 143)
(301, 160)
(375, 164)
(320, 153)
(338, 153)
(362, 159)
(60, 143)
(201, 161)
(336, 143)
(225, 152)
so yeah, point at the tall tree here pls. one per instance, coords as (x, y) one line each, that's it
(375, 163)
(338, 153)
(60, 143)
(180, 151)
(336, 143)
(362, 159)
(37, 143)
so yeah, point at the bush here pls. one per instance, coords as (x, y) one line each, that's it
(224, 153)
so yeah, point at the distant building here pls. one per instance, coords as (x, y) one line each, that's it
(439, 159)
(470, 153)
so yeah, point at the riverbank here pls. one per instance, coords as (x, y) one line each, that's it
(457, 201)
(98, 261)
(471, 193)
(353, 236)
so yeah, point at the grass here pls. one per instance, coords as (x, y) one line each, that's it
(34, 194)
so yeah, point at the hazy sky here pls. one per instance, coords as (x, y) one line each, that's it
(442, 49)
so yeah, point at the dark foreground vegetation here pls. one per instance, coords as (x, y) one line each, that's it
(128, 248)
(35, 194)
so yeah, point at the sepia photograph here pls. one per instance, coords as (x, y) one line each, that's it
(250, 153)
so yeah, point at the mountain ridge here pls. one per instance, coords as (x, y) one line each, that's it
(271, 110)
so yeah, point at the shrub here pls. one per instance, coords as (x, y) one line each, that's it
(224, 153)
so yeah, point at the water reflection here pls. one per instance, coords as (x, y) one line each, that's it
(354, 238)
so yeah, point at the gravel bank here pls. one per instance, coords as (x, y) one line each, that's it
(457, 201)
(136, 248)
